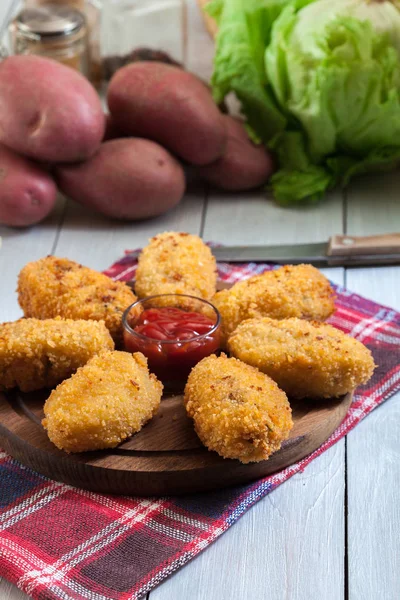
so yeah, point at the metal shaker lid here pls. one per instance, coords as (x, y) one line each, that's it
(49, 21)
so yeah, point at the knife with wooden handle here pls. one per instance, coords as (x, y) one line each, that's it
(339, 251)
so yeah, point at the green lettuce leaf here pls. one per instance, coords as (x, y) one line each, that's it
(326, 99)
(244, 32)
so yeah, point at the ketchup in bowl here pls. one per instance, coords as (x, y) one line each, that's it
(175, 332)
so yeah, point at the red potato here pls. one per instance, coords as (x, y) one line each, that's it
(112, 132)
(129, 179)
(166, 104)
(27, 191)
(48, 111)
(243, 166)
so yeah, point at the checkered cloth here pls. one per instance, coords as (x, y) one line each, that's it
(60, 542)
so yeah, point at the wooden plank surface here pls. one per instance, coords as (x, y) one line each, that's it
(289, 546)
(258, 220)
(373, 455)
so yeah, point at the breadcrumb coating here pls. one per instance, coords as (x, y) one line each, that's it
(105, 402)
(52, 287)
(40, 353)
(238, 411)
(307, 360)
(176, 263)
(290, 291)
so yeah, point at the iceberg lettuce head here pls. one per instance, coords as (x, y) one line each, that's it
(319, 84)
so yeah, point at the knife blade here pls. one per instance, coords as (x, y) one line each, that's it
(339, 250)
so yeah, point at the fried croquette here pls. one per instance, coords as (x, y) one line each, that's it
(237, 411)
(307, 360)
(176, 263)
(290, 291)
(52, 287)
(35, 354)
(105, 402)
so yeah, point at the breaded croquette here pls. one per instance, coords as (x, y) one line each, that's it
(52, 287)
(105, 402)
(307, 360)
(35, 354)
(176, 263)
(237, 411)
(290, 291)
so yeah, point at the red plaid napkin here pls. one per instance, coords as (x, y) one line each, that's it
(60, 542)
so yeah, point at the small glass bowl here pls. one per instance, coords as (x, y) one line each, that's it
(171, 360)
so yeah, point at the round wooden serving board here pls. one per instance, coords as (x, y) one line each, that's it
(166, 457)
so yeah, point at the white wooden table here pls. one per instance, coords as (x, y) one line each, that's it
(332, 532)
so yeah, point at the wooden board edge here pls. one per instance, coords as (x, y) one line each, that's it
(210, 23)
(100, 479)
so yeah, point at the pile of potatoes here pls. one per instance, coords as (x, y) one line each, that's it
(128, 164)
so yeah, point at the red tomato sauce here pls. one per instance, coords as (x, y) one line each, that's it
(173, 340)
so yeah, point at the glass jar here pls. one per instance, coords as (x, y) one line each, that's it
(174, 332)
(92, 11)
(129, 25)
(55, 32)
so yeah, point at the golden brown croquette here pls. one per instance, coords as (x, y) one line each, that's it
(40, 353)
(52, 287)
(105, 402)
(307, 360)
(237, 411)
(290, 291)
(176, 263)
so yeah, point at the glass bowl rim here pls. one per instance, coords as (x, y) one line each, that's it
(198, 337)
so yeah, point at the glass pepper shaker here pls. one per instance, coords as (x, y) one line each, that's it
(55, 32)
(92, 12)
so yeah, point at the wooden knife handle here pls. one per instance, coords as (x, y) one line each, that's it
(351, 245)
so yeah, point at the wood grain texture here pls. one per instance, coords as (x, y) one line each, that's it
(373, 455)
(348, 245)
(165, 457)
(19, 247)
(282, 549)
(97, 241)
(8, 591)
(253, 218)
(373, 505)
(373, 204)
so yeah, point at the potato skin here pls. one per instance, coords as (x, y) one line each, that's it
(127, 178)
(168, 105)
(243, 166)
(307, 360)
(237, 411)
(48, 111)
(27, 191)
(112, 132)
